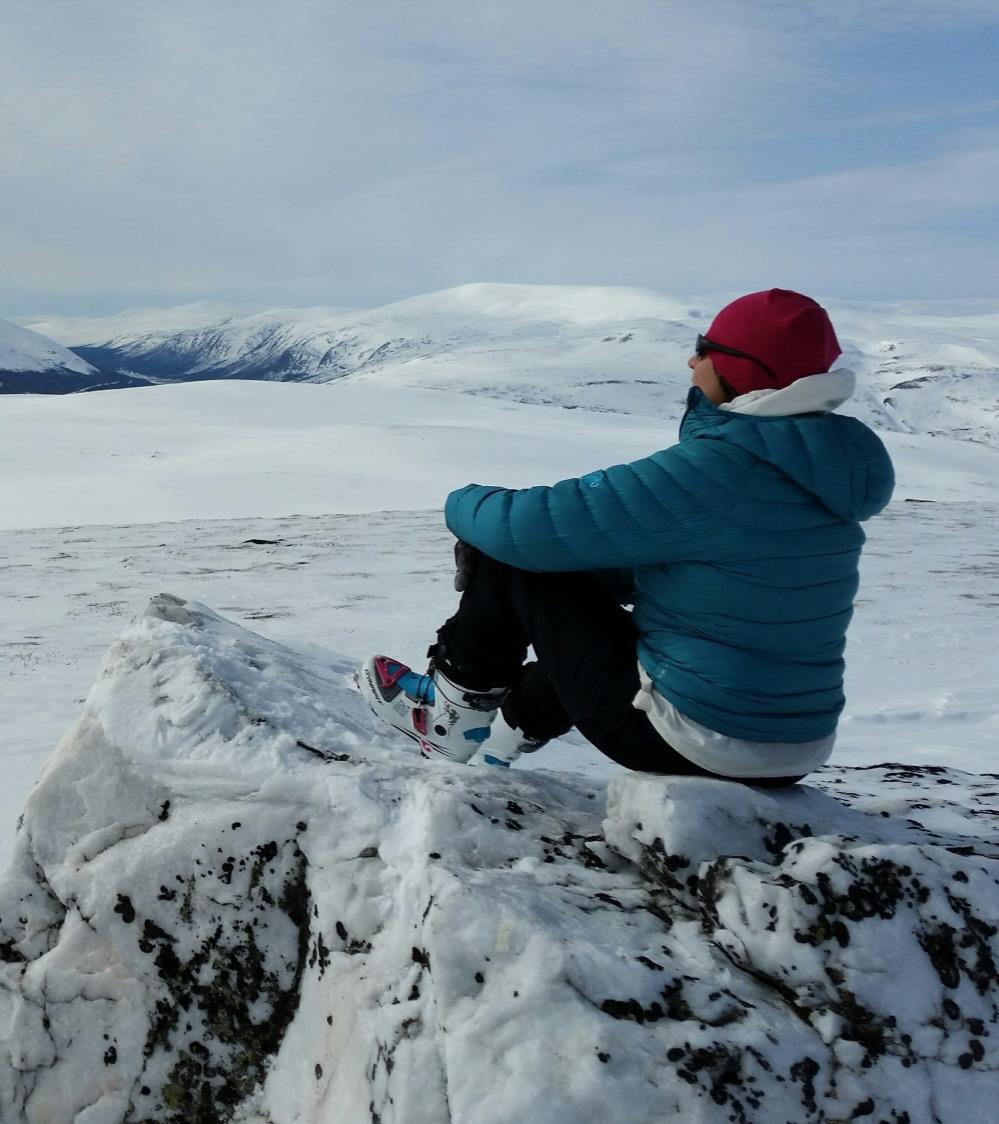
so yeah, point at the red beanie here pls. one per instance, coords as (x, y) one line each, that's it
(788, 332)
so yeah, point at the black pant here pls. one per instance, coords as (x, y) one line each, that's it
(586, 674)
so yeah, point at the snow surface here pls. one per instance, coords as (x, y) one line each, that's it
(218, 449)
(93, 468)
(232, 899)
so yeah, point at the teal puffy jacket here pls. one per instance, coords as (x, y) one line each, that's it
(745, 540)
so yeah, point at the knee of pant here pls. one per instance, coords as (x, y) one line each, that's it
(604, 696)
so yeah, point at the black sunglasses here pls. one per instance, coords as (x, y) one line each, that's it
(704, 345)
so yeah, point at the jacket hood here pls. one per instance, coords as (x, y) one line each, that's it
(808, 395)
(838, 459)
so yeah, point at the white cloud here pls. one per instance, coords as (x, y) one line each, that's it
(345, 152)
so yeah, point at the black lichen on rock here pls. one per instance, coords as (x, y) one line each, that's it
(9, 954)
(125, 909)
(238, 994)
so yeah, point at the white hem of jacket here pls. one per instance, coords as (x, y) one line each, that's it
(718, 753)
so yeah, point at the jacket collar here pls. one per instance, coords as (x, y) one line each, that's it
(814, 394)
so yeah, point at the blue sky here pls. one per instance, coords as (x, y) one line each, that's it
(350, 153)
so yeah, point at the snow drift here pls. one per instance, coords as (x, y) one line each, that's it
(230, 901)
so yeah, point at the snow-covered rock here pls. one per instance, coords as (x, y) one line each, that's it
(231, 899)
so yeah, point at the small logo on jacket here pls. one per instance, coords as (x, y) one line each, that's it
(592, 479)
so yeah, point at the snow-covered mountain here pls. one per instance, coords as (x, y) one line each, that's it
(133, 322)
(924, 368)
(531, 326)
(30, 363)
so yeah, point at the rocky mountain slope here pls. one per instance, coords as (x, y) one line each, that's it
(231, 901)
(33, 364)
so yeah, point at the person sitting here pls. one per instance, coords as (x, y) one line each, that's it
(738, 548)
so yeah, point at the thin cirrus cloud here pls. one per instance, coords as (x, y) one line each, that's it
(332, 152)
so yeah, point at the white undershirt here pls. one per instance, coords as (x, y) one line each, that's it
(731, 757)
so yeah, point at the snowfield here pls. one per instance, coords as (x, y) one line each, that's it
(215, 450)
(233, 897)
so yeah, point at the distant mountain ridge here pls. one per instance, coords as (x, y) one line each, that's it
(925, 367)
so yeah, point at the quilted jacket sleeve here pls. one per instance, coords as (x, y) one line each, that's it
(663, 508)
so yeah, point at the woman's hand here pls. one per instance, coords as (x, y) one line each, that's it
(465, 558)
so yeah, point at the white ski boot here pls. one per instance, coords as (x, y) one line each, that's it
(448, 721)
(506, 743)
